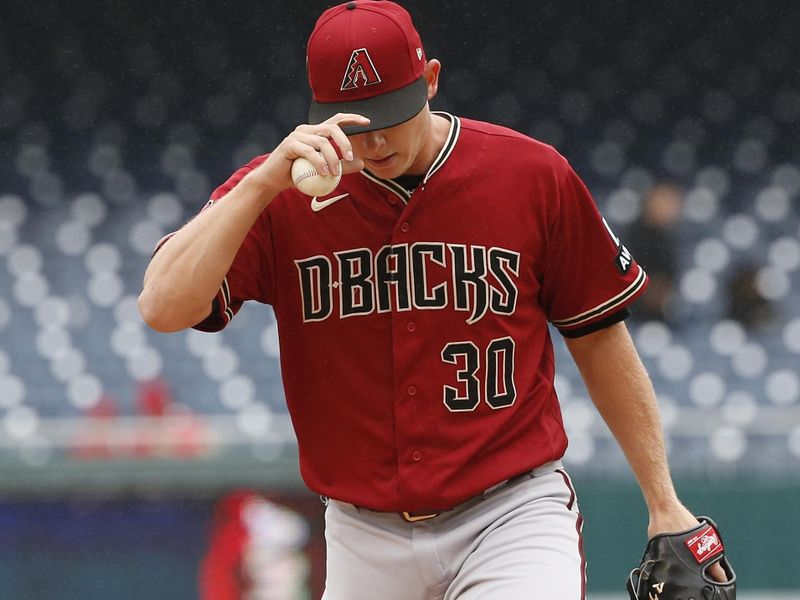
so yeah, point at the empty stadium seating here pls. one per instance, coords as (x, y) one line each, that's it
(117, 139)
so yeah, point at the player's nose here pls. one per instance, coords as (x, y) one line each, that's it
(373, 140)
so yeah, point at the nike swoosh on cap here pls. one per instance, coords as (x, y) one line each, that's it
(318, 205)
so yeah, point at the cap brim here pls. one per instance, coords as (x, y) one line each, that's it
(386, 110)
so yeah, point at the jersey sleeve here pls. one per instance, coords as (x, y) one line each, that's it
(251, 275)
(590, 277)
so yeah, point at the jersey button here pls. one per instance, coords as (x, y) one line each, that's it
(405, 227)
(411, 326)
(412, 389)
(416, 455)
(392, 200)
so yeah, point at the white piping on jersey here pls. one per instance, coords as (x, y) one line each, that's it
(441, 158)
(450, 143)
(161, 242)
(397, 189)
(226, 299)
(607, 306)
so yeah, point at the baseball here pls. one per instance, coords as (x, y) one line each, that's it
(307, 180)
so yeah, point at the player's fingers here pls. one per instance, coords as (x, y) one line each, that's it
(342, 143)
(331, 155)
(338, 120)
(331, 142)
(352, 166)
(717, 573)
(315, 148)
(333, 131)
(341, 119)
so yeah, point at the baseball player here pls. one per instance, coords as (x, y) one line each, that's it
(413, 305)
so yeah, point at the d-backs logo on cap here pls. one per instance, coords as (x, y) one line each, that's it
(360, 71)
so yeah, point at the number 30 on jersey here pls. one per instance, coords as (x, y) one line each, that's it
(498, 385)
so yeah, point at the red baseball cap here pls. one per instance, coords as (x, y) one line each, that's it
(366, 57)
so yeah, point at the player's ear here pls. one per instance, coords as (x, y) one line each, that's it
(431, 74)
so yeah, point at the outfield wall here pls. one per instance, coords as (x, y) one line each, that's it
(108, 540)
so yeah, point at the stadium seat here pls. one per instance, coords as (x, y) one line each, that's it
(133, 147)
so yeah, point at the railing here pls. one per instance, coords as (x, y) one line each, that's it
(213, 451)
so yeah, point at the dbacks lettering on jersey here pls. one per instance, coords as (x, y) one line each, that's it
(398, 277)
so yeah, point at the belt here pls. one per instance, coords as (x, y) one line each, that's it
(410, 517)
(415, 517)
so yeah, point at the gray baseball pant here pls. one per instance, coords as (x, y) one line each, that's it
(517, 542)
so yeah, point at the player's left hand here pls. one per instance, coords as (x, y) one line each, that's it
(679, 565)
(679, 518)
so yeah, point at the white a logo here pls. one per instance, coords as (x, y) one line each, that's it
(360, 71)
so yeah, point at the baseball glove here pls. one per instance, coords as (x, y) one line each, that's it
(674, 567)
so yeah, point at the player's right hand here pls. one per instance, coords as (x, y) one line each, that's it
(323, 144)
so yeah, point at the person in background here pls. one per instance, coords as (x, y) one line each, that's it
(652, 240)
(255, 551)
(746, 304)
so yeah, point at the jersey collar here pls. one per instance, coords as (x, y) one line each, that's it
(441, 158)
(449, 144)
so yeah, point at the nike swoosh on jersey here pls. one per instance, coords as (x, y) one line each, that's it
(318, 205)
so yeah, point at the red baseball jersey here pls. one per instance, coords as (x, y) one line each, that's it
(415, 350)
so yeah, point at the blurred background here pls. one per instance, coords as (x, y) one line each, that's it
(141, 465)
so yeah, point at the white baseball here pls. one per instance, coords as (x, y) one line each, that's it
(309, 181)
